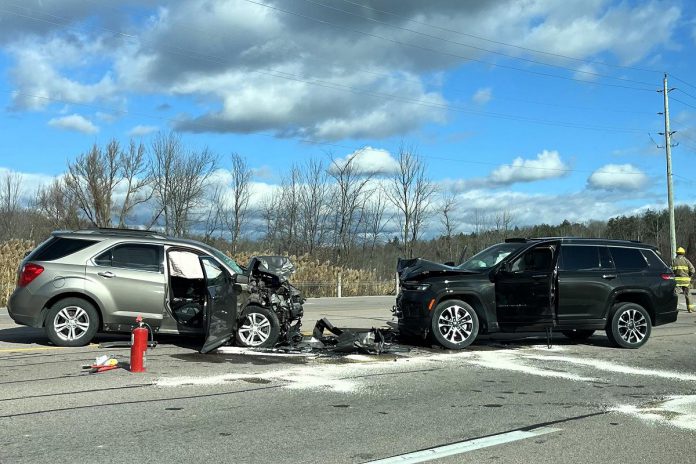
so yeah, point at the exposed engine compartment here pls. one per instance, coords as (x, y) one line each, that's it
(269, 287)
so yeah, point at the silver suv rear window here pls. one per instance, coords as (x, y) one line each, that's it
(59, 247)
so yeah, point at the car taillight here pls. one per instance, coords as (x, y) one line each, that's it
(667, 276)
(30, 271)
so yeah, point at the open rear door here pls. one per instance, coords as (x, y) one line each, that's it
(221, 305)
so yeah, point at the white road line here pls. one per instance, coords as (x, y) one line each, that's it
(464, 446)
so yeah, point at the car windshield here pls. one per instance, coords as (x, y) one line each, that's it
(231, 263)
(489, 257)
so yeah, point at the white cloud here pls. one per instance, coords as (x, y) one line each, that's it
(74, 122)
(547, 165)
(482, 96)
(585, 72)
(617, 177)
(370, 160)
(139, 130)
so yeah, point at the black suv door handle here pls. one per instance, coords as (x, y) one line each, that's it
(609, 276)
(107, 274)
(539, 276)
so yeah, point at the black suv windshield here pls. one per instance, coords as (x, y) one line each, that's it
(489, 257)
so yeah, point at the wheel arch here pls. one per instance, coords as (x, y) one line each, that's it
(635, 296)
(63, 296)
(472, 300)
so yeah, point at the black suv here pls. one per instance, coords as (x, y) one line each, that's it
(574, 285)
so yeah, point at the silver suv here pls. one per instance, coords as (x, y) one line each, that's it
(76, 284)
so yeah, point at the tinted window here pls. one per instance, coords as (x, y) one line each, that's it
(577, 258)
(628, 258)
(536, 259)
(60, 247)
(654, 260)
(132, 256)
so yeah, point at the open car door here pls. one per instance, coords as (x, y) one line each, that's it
(525, 288)
(221, 304)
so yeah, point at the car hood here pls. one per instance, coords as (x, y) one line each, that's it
(278, 265)
(416, 268)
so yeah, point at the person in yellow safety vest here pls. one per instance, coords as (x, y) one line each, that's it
(683, 270)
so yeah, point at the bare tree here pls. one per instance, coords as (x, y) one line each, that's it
(10, 205)
(57, 205)
(288, 211)
(375, 223)
(135, 172)
(213, 218)
(411, 192)
(179, 179)
(238, 200)
(91, 180)
(313, 200)
(449, 203)
(350, 189)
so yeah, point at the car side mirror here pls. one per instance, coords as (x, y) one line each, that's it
(241, 282)
(506, 267)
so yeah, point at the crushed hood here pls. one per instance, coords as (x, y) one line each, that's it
(415, 268)
(278, 265)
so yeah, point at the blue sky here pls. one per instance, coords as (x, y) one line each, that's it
(544, 109)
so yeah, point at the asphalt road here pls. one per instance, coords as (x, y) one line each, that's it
(503, 400)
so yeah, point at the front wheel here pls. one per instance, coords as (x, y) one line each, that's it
(629, 326)
(72, 322)
(258, 327)
(455, 324)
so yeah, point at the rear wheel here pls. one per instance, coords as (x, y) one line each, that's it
(455, 324)
(578, 334)
(629, 326)
(258, 327)
(72, 322)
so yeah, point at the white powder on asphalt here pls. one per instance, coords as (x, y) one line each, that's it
(614, 367)
(677, 411)
(509, 361)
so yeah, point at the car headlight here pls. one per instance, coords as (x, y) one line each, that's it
(421, 287)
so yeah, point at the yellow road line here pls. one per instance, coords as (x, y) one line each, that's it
(38, 348)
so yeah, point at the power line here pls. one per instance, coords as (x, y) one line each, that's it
(683, 103)
(557, 55)
(335, 86)
(528, 60)
(432, 50)
(685, 93)
(309, 140)
(288, 76)
(682, 81)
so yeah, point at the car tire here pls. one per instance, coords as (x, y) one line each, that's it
(71, 322)
(629, 326)
(578, 334)
(454, 324)
(257, 327)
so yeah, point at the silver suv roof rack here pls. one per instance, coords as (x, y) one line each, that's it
(121, 232)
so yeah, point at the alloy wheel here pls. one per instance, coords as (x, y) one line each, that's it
(455, 324)
(632, 326)
(255, 329)
(71, 323)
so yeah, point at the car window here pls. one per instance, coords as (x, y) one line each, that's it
(628, 258)
(536, 259)
(490, 256)
(654, 260)
(577, 258)
(132, 256)
(59, 247)
(214, 274)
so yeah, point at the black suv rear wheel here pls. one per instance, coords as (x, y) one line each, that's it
(455, 324)
(629, 326)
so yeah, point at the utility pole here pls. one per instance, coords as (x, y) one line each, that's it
(668, 151)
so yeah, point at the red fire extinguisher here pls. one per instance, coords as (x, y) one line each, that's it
(138, 346)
